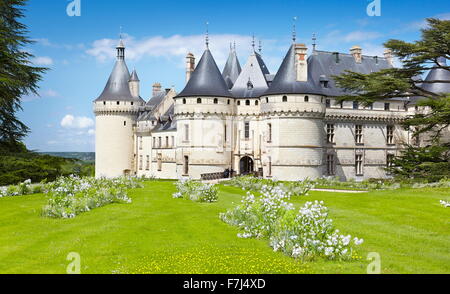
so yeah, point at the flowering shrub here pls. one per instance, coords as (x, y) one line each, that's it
(305, 234)
(70, 196)
(250, 183)
(25, 188)
(445, 203)
(196, 191)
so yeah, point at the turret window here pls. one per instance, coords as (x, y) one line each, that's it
(228, 101)
(355, 105)
(184, 101)
(104, 102)
(256, 102)
(118, 102)
(267, 99)
(199, 100)
(216, 101)
(247, 102)
(125, 123)
(328, 103)
(285, 99)
(387, 106)
(306, 98)
(239, 103)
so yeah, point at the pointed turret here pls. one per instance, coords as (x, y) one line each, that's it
(117, 88)
(438, 74)
(232, 68)
(252, 82)
(206, 80)
(134, 84)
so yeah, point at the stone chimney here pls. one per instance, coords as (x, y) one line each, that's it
(389, 57)
(356, 51)
(190, 66)
(156, 89)
(301, 62)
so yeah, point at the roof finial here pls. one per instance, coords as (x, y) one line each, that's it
(253, 42)
(207, 35)
(260, 46)
(314, 39)
(294, 30)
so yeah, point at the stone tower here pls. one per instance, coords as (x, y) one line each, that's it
(116, 111)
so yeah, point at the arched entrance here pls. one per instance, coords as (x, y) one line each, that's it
(246, 165)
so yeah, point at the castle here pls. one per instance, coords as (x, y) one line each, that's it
(286, 125)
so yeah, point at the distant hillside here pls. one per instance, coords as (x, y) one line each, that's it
(83, 156)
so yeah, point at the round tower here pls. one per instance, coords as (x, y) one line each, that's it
(294, 111)
(116, 111)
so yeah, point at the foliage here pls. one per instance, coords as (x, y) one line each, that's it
(17, 76)
(251, 183)
(196, 191)
(25, 188)
(306, 234)
(70, 196)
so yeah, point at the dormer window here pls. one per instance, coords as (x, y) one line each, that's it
(249, 85)
(199, 100)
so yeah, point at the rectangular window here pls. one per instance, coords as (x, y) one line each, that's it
(328, 103)
(160, 162)
(269, 133)
(159, 142)
(167, 141)
(186, 132)
(330, 133)
(186, 165)
(269, 168)
(390, 135)
(355, 105)
(140, 143)
(359, 134)
(173, 141)
(359, 165)
(140, 162)
(225, 139)
(247, 130)
(387, 106)
(330, 165)
(154, 142)
(147, 164)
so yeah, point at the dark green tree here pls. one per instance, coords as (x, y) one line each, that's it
(18, 76)
(417, 59)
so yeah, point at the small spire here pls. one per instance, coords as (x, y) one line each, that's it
(253, 42)
(314, 39)
(260, 47)
(207, 35)
(294, 30)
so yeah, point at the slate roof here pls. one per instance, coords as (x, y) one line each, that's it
(232, 69)
(206, 80)
(252, 82)
(134, 77)
(321, 67)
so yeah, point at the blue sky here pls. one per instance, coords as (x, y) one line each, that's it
(158, 34)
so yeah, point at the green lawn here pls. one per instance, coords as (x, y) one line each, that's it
(158, 234)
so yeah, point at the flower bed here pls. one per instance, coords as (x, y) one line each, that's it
(196, 191)
(22, 189)
(250, 183)
(306, 234)
(70, 196)
(445, 203)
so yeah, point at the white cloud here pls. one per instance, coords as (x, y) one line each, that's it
(176, 46)
(91, 132)
(43, 60)
(76, 122)
(358, 36)
(49, 93)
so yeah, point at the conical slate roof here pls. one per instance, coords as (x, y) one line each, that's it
(438, 74)
(232, 69)
(285, 81)
(252, 81)
(134, 77)
(206, 80)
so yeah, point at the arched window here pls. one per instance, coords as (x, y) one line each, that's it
(284, 98)
(306, 98)
(256, 102)
(184, 101)
(199, 100)
(247, 102)
(239, 102)
(216, 101)
(228, 101)
(118, 102)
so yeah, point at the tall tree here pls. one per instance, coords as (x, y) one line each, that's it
(18, 76)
